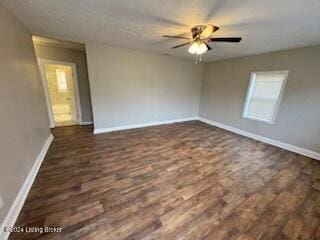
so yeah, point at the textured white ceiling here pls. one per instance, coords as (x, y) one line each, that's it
(264, 25)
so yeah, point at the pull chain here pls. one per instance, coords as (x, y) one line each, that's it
(198, 58)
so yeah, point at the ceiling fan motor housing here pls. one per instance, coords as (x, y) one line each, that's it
(197, 30)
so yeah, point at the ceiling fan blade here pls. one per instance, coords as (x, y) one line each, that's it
(208, 46)
(180, 45)
(168, 36)
(215, 28)
(226, 39)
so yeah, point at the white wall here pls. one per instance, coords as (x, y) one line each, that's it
(132, 87)
(24, 124)
(298, 120)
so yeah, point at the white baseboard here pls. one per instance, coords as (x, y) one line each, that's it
(17, 205)
(292, 148)
(86, 123)
(141, 125)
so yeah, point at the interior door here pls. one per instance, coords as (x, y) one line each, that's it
(72, 97)
(61, 89)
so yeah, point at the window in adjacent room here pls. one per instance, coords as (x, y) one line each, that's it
(62, 81)
(264, 95)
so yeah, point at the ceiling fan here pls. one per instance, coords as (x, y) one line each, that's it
(201, 37)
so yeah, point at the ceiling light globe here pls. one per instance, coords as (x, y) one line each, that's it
(193, 48)
(198, 48)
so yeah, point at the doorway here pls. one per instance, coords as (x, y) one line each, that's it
(62, 94)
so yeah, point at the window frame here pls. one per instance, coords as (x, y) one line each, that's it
(250, 91)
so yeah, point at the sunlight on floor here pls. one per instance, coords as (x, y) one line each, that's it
(62, 117)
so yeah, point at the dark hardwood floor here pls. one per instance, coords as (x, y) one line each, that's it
(179, 181)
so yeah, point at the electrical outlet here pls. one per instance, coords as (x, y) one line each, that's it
(156, 116)
(1, 202)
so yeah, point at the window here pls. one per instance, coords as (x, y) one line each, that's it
(61, 80)
(264, 95)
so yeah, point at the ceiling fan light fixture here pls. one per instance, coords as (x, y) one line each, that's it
(198, 48)
(200, 39)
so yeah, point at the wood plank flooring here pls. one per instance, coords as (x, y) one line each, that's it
(178, 181)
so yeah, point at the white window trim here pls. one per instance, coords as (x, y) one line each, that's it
(249, 94)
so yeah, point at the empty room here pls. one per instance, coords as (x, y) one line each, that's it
(147, 120)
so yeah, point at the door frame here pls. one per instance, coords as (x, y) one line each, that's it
(41, 63)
